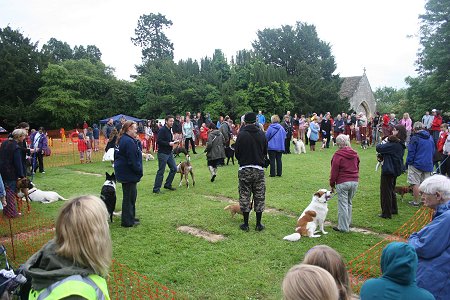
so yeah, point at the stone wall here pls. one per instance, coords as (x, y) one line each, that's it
(363, 98)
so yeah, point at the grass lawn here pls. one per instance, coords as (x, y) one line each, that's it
(243, 265)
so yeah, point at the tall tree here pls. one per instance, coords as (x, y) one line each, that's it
(432, 88)
(151, 38)
(20, 73)
(57, 51)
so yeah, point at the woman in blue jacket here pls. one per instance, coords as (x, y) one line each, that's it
(432, 243)
(276, 136)
(128, 169)
(314, 133)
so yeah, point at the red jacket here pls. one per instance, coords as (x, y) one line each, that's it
(437, 121)
(344, 166)
(441, 141)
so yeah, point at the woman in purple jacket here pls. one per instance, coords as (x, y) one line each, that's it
(276, 136)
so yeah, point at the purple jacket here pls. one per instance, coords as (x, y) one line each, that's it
(42, 144)
(275, 136)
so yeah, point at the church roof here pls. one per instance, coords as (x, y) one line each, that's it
(349, 86)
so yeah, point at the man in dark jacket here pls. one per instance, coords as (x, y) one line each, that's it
(165, 156)
(421, 150)
(250, 150)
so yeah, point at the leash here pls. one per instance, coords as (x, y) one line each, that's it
(331, 197)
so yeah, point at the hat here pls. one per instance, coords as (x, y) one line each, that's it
(250, 118)
(434, 110)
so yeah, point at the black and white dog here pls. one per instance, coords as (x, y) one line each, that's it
(108, 193)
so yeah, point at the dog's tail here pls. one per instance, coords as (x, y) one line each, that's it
(293, 237)
(61, 198)
(228, 207)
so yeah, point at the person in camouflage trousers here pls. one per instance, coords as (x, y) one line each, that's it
(250, 151)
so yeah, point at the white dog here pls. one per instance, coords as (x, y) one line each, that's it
(312, 217)
(44, 196)
(299, 146)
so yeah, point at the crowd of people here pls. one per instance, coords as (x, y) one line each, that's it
(423, 261)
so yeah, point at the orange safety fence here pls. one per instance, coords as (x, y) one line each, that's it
(367, 264)
(26, 234)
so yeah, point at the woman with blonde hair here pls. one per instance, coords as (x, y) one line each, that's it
(407, 122)
(76, 262)
(308, 282)
(330, 260)
(11, 168)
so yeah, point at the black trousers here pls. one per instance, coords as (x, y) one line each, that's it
(388, 198)
(186, 144)
(275, 158)
(287, 145)
(38, 162)
(129, 203)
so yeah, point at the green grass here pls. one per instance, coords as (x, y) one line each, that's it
(244, 265)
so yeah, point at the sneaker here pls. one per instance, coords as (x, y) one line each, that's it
(170, 188)
(43, 172)
(244, 227)
(213, 178)
(336, 229)
(260, 227)
(157, 192)
(412, 203)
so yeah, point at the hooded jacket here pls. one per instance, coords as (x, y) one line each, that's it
(45, 268)
(344, 166)
(398, 282)
(421, 150)
(432, 245)
(214, 145)
(251, 146)
(276, 135)
(393, 152)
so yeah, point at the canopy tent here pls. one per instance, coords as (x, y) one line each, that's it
(117, 118)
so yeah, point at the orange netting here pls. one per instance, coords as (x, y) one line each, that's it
(25, 235)
(367, 264)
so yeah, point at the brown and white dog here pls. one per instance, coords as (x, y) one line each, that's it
(23, 186)
(313, 217)
(299, 146)
(185, 168)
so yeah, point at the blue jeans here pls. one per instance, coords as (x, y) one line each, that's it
(163, 160)
(345, 191)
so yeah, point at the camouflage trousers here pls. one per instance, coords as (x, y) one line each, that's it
(252, 180)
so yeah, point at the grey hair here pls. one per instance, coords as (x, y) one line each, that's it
(435, 184)
(275, 119)
(18, 133)
(418, 125)
(342, 140)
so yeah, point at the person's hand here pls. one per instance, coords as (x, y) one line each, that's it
(332, 190)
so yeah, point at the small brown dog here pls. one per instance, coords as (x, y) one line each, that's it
(402, 190)
(234, 209)
(23, 185)
(185, 168)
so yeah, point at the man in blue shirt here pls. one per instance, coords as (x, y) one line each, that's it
(260, 117)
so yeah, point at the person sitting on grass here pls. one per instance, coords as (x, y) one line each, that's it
(398, 280)
(308, 282)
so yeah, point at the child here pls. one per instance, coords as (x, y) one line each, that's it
(81, 146)
(88, 149)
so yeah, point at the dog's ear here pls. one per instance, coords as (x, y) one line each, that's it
(319, 193)
(106, 173)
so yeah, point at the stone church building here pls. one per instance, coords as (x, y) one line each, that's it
(359, 93)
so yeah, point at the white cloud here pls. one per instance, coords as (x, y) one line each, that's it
(362, 33)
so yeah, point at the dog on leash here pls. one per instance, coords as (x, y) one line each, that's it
(178, 150)
(108, 194)
(185, 168)
(229, 153)
(299, 146)
(313, 217)
(402, 190)
(45, 197)
(23, 186)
